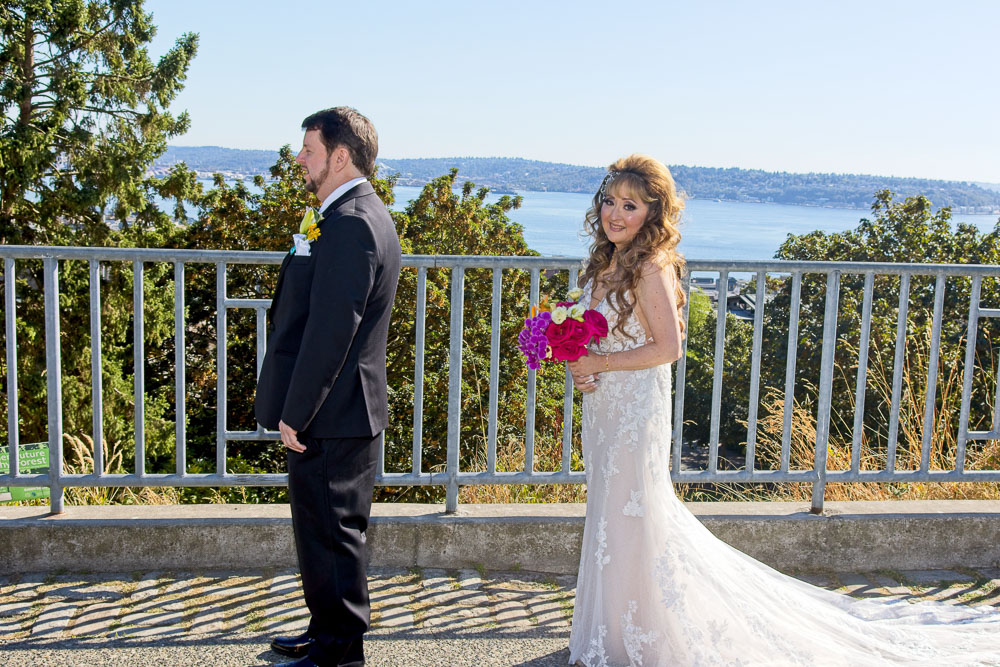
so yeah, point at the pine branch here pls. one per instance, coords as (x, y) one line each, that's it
(81, 45)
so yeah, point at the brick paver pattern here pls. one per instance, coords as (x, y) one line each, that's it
(161, 604)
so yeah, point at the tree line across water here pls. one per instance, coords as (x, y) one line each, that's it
(81, 130)
(732, 184)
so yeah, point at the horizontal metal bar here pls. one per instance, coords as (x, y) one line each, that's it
(411, 479)
(201, 480)
(252, 435)
(144, 254)
(281, 479)
(520, 477)
(173, 479)
(491, 261)
(913, 476)
(262, 257)
(721, 476)
(247, 303)
(25, 479)
(989, 312)
(983, 435)
(890, 268)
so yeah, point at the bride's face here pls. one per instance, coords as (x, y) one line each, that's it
(622, 214)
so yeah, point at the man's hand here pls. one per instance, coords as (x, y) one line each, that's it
(289, 439)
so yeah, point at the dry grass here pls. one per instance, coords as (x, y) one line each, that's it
(80, 460)
(984, 455)
(510, 458)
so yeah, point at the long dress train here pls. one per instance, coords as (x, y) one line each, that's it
(655, 587)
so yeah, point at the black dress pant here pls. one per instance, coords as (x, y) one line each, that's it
(330, 488)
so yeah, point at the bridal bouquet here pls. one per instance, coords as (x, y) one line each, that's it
(560, 333)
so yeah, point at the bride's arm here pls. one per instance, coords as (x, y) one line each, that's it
(656, 301)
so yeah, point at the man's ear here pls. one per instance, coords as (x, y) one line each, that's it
(340, 158)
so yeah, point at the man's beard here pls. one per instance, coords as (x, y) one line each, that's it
(312, 184)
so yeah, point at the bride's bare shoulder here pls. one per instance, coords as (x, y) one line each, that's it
(659, 266)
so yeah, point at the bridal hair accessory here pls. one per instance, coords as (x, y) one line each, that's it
(560, 333)
(308, 232)
(608, 180)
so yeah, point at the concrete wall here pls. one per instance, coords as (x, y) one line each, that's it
(857, 536)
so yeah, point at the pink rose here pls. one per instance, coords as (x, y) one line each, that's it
(596, 325)
(569, 351)
(567, 340)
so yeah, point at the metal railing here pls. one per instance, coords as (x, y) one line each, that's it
(452, 477)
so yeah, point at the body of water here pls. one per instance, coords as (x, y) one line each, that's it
(553, 224)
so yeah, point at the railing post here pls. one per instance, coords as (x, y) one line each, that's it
(220, 368)
(758, 334)
(53, 372)
(825, 388)
(491, 432)
(96, 367)
(970, 360)
(139, 365)
(791, 351)
(680, 373)
(418, 371)
(529, 408)
(721, 311)
(862, 376)
(455, 386)
(180, 366)
(899, 356)
(10, 325)
(932, 373)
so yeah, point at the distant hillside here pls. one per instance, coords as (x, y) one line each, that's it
(836, 190)
(211, 159)
(504, 174)
(517, 174)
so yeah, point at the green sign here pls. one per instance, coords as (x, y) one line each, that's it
(31, 457)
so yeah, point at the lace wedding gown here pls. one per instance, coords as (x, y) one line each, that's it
(655, 587)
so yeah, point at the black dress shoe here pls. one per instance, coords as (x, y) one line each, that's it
(295, 647)
(301, 662)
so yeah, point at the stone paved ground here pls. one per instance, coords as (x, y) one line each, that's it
(428, 617)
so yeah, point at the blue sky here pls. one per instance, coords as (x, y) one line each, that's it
(908, 88)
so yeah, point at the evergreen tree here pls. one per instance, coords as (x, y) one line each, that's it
(84, 112)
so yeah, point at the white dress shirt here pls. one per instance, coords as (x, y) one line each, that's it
(344, 187)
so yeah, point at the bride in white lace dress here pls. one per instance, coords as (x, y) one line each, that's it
(655, 587)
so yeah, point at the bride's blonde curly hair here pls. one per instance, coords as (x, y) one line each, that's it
(643, 178)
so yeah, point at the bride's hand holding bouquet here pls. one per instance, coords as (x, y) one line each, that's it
(561, 333)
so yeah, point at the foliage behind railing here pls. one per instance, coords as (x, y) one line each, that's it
(495, 405)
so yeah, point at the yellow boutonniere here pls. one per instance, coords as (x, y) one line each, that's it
(308, 220)
(308, 232)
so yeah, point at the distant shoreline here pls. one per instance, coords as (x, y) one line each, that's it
(512, 175)
(209, 175)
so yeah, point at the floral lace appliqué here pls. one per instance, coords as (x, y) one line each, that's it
(602, 544)
(633, 635)
(632, 507)
(596, 650)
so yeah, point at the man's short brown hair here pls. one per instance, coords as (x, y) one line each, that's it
(344, 126)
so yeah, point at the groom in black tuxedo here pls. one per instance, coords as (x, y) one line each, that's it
(322, 383)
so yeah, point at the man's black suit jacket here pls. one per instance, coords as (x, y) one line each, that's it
(324, 370)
